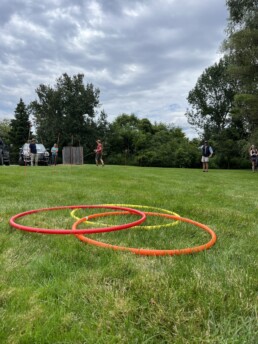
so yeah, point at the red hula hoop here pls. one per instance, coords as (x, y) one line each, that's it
(150, 252)
(81, 231)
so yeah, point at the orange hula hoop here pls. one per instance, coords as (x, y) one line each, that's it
(149, 252)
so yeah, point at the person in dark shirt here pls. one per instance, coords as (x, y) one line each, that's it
(33, 153)
(207, 152)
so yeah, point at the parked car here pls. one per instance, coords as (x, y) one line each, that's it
(24, 156)
(4, 153)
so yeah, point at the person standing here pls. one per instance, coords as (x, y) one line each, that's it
(253, 155)
(207, 153)
(33, 153)
(54, 154)
(99, 151)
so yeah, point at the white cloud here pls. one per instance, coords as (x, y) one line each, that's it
(144, 56)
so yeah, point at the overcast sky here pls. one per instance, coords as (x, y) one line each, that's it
(144, 55)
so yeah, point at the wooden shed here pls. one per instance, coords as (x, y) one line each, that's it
(72, 155)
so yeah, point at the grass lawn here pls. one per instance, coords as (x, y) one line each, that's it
(57, 289)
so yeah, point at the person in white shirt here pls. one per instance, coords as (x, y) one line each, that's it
(54, 153)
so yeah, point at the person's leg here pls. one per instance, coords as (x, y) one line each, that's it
(206, 164)
(253, 165)
(97, 159)
(101, 160)
(31, 159)
(36, 159)
(203, 164)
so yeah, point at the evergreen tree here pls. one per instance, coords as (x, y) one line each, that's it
(20, 131)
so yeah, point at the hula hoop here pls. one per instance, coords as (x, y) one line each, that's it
(141, 207)
(150, 252)
(82, 231)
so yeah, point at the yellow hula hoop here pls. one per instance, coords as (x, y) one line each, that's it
(140, 207)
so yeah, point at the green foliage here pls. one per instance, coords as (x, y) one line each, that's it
(66, 111)
(211, 99)
(242, 49)
(138, 142)
(20, 129)
(5, 130)
(225, 100)
(132, 141)
(103, 126)
(241, 12)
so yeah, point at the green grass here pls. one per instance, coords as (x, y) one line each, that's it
(56, 289)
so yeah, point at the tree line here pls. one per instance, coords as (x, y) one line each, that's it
(223, 108)
(67, 114)
(224, 101)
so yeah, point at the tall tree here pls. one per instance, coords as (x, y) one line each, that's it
(123, 132)
(242, 48)
(211, 100)
(65, 110)
(102, 126)
(241, 13)
(20, 127)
